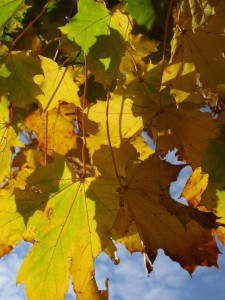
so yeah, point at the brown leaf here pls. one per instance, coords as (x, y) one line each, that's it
(183, 233)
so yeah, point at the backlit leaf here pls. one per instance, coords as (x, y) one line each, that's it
(17, 70)
(192, 55)
(57, 84)
(174, 130)
(147, 202)
(11, 224)
(80, 217)
(8, 10)
(199, 11)
(120, 130)
(8, 139)
(51, 129)
(93, 20)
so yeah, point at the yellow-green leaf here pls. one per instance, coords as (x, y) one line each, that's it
(8, 138)
(57, 84)
(8, 10)
(80, 214)
(17, 71)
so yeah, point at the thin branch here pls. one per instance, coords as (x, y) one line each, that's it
(164, 50)
(29, 25)
(84, 119)
(46, 138)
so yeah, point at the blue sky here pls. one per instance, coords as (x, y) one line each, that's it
(128, 280)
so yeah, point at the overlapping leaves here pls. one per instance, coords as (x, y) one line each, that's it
(87, 175)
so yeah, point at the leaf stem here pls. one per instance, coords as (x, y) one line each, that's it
(84, 118)
(164, 51)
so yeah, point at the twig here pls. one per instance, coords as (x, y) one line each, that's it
(164, 50)
(29, 25)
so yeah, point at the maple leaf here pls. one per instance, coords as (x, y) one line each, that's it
(205, 195)
(11, 223)
(77, 231)
(106, 32)
(93, 20)
(146, 201)
(69, 215)
(57, 84)
(51, 129)
(8, 139)
(120, 130)
(189, 57)
(17, 70)
(174, 130)
(8, 10)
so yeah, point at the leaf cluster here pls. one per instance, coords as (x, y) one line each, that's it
(80, 82)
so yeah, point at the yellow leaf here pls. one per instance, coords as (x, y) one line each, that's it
(11, 223)
(57, 84)
(8, 139)
(195, 187)
(140, 144)
(54, 132)
(122, 126)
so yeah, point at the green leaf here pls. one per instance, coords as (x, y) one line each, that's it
(8, 10)
(93, 20)
(142, 11)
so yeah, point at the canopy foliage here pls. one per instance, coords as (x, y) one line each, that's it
(80, 81)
